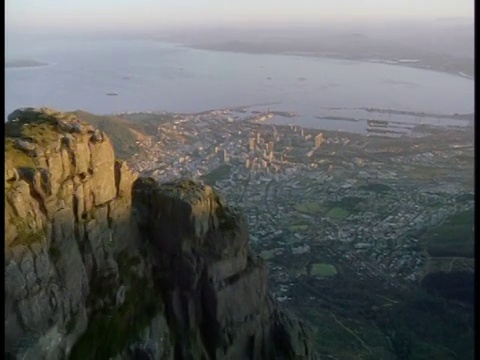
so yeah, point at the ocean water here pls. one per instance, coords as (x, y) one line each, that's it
(154, 76)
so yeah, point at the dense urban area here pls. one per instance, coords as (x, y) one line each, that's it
(347, 223)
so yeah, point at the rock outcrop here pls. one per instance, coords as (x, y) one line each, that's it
(102, 264)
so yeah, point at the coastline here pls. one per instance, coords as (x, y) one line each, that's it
(29, 64)
(456, 70)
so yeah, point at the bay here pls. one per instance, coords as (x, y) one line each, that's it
(113, 76)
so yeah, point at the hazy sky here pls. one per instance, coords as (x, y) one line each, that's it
(97, 14)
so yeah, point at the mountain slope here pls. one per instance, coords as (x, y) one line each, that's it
(102, 264)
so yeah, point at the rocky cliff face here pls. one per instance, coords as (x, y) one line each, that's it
(102, 264)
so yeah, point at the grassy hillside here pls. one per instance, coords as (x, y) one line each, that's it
(454, 237)
(146, 123)
(220, 173)
(123, 139)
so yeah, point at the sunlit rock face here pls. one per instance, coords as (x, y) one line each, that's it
(102, 264)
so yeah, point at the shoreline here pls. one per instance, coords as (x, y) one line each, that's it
(416, 64)
(24, 64)
(393, 127)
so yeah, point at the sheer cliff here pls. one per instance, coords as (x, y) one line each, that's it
(100, 263)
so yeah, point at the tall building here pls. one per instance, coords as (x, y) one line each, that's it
(226, 158)
(276, 135)
(258, 138)
(251, 144)
(270, 146)
(270, 156)
(319, 140)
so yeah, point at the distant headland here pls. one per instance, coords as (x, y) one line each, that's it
(22, 63)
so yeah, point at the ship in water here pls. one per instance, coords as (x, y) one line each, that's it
(377, 123)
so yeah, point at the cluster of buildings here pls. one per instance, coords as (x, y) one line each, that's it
(319, 196)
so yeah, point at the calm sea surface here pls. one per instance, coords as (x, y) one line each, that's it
(155, 76)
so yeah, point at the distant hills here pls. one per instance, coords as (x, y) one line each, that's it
(22, 63)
